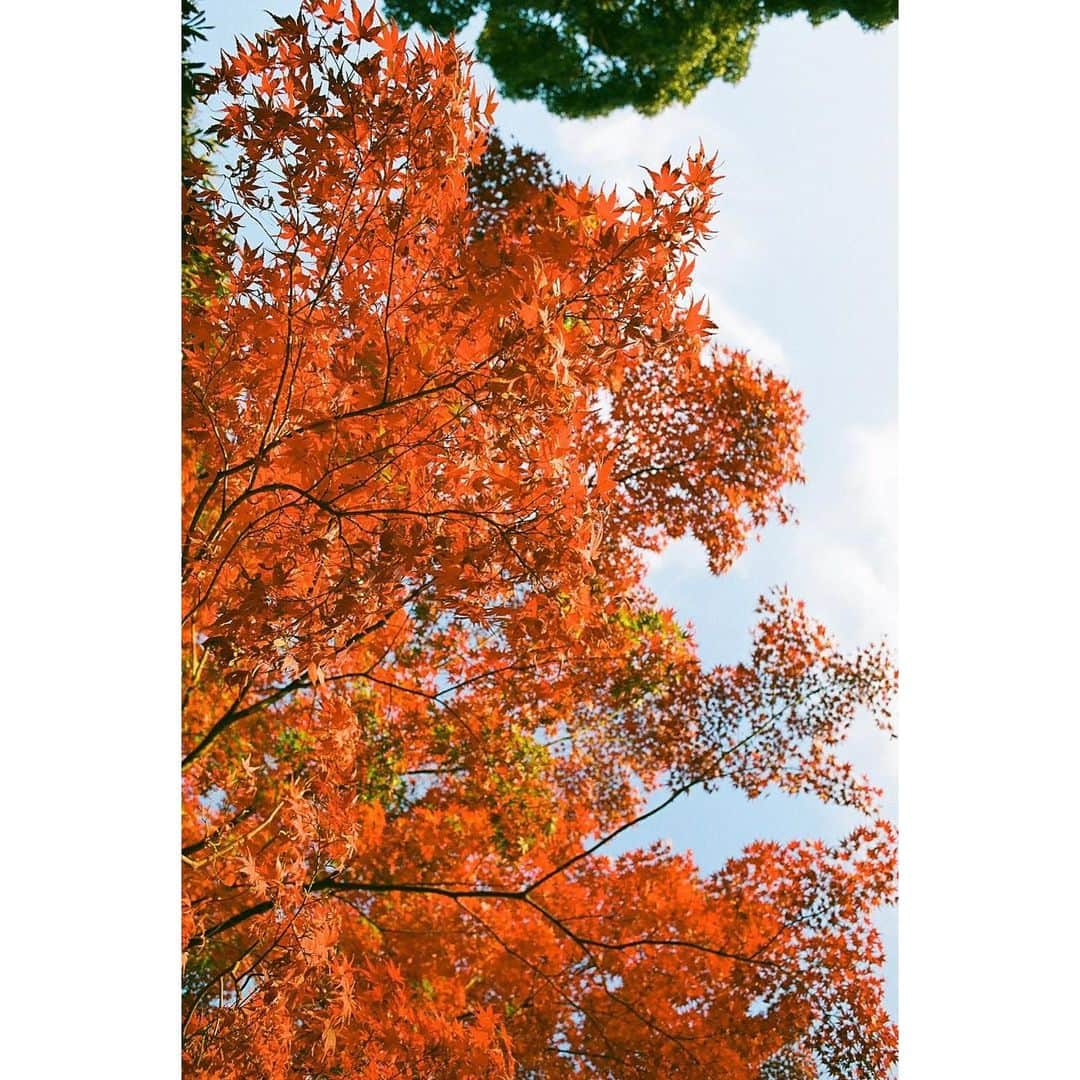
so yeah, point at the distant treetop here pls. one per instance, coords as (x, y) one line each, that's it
(589, 57)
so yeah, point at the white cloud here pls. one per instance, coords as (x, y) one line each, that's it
(875, 476)
(681, 561)
(857, 593)
(738, 332)
(610, 148)
(850, 551)
(614, 148)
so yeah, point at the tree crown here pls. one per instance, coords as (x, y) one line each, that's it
(436, 404)
(583, 58)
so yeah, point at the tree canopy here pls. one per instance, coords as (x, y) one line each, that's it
(437, 403)
(588, 57)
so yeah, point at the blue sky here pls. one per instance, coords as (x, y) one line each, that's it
(802, 272)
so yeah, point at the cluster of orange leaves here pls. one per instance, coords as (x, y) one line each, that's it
(427, 438)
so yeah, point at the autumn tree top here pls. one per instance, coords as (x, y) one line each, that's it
(437, 403)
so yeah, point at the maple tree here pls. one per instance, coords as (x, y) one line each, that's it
(586, 58)
(437, 404)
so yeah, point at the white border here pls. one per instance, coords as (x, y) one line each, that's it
(989, 397)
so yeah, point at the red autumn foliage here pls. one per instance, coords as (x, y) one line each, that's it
(428, 430)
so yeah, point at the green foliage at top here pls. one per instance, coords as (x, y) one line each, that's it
(588, 57)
